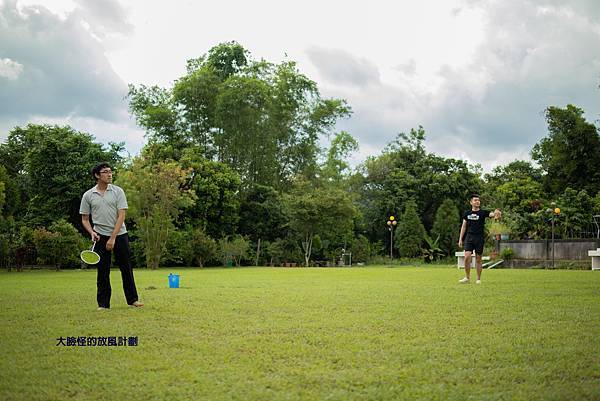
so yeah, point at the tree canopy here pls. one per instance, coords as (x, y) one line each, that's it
(570, 154)
(264, 120)
(48, 170)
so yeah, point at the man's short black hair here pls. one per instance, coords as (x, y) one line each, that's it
(474, 196)
(96, 169)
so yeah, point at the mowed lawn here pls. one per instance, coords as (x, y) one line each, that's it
(371, 333)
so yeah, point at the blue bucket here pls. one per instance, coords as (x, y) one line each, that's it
(173, 280)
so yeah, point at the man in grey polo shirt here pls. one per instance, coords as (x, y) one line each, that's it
(106, 203)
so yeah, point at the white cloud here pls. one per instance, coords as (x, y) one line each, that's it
(341, 68)
(476, 74)
(10, 69)
(64, 76)
(65, 69)
(106, 20)
(488, 110)
(408, 68)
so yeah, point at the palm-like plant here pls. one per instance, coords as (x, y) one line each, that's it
(433, 251)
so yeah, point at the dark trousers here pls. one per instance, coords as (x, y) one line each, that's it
(123, 260)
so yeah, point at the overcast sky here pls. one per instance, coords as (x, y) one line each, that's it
(477, 75)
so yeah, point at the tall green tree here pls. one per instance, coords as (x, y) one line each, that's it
(522, 195)
(195, 95)
(405, 171)
(156, 193)
(517, 169)
(410, 233)
(51, 168)
(227, 59)
(262, 119)
(336, 167)
(446, 227)
(217, 189)
(576, 212)
(262, 214)
(9, 205)
(596, 203)
(319, 212)
(3, 180)
(160, 114)
(570, 154)
(244, 140)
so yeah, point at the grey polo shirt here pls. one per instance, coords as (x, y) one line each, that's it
(104, 208)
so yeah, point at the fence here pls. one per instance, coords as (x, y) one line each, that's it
(531, 252)
(589, 230)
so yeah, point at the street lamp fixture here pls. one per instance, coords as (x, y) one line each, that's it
(391, 223)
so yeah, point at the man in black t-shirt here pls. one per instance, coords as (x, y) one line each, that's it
(473, 223)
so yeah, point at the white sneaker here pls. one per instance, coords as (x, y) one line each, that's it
(464, 281)
(478, 282)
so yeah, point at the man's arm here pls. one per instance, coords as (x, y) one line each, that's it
(463, 228)
(110, 244)
(85, 220)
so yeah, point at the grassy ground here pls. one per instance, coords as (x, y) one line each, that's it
(305, 334)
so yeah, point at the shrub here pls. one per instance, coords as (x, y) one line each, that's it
(497, 228)
(361, 249)
(71, 243)
(59, 246)
(274, 252)
(235, 249)
(507, 253)
(9, 241)
(179, 249)
(46, 246)
(136, 247)
(204, 248)
(432, 252)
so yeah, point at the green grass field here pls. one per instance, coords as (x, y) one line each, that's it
(305, 334)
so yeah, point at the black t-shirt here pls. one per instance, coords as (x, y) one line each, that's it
(475, 221)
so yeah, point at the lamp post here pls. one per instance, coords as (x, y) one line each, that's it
(555, 212)
(391, 223)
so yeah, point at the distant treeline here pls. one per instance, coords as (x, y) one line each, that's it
(233, 173)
